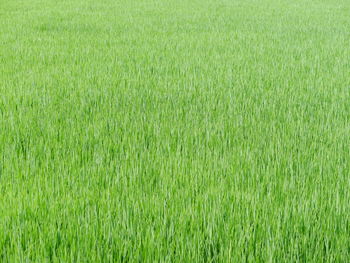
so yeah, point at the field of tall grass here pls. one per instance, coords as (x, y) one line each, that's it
(174, 131)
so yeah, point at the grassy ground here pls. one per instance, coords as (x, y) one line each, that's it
(174, 131)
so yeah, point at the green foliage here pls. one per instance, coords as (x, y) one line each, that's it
(174, 131)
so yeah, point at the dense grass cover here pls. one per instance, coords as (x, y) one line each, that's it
(174, 131)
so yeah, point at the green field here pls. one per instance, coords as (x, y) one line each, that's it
(174, 131)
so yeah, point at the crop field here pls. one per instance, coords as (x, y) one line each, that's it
(174, 131)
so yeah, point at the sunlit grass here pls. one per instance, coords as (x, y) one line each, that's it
(174, 131)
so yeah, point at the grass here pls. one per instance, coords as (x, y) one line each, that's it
(174, 131)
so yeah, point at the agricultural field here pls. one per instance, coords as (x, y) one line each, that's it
(174, 131)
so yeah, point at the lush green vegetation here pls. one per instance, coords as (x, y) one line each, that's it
(174, 131)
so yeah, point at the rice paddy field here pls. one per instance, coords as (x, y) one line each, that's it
(174, 131)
